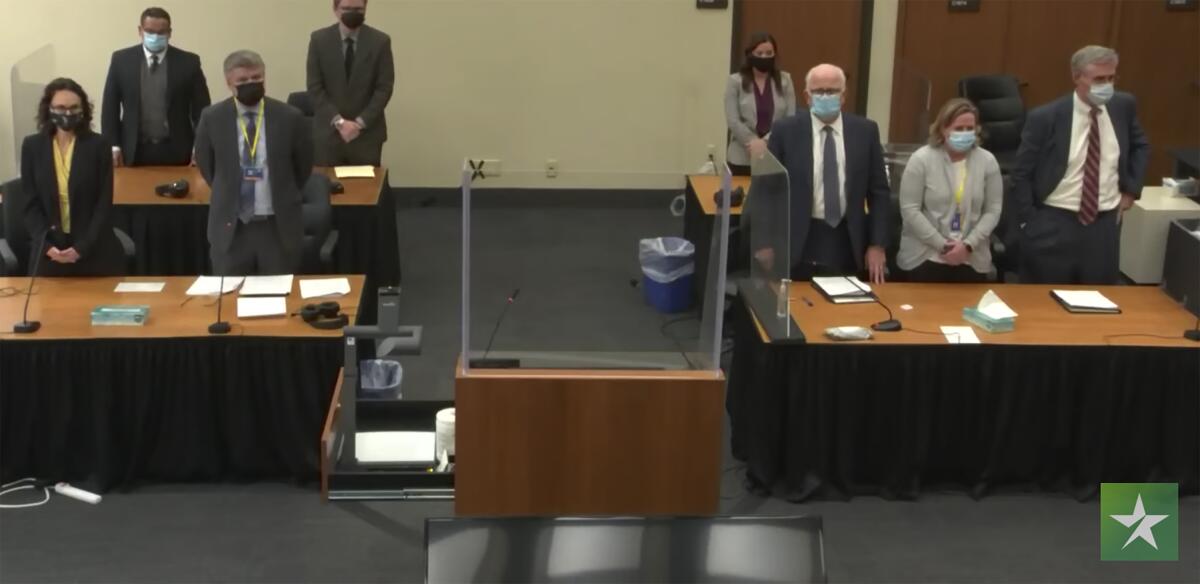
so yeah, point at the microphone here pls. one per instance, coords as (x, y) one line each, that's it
(484, 362)
(890, 325)
(219, 327)
(27, 326)
(1193, 334)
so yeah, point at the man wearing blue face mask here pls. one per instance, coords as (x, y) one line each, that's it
(153, 98)
(835, 166)
(1081, 164)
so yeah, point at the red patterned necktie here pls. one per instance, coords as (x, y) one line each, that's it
(1089, 203)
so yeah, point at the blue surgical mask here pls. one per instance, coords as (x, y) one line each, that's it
(961, 141)
(826, 107)
(155, 43)
(1099, 94)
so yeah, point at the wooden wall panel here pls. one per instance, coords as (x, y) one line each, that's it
(1038, 44)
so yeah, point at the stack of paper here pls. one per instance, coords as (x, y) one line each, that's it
(401, 448)
(130, 287)
(267, 285)
(324, 287)
(1085, 301)
(843, 290)
(256, 306)
(354, 171)
(208, 285)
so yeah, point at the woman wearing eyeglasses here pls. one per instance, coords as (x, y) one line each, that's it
(755, 97)
(950, 200)
(67, 178)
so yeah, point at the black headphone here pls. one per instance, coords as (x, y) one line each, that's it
(736, 197)
(175, 190)
(325, 316)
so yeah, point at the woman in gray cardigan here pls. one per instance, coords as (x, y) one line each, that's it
(755, 97)
(950, 200)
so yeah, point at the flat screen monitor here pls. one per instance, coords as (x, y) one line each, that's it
(624, 550)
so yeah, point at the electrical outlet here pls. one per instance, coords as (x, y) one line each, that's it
(551, 168)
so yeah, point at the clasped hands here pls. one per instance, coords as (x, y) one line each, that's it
(62, 256)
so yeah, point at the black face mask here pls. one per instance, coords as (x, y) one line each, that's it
(68, 122)
(353, 19)
(250, 93)
(764, 64)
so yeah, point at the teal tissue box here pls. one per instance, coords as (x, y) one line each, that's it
(120, 315)
(991, 325)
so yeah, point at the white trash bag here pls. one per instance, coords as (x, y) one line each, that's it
(666, 259)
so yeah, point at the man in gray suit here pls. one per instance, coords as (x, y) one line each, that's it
(1081, 164)
(256, 154)
(350, 81)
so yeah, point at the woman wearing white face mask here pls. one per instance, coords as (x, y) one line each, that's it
(950, 200)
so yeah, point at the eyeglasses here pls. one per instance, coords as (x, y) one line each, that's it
(825, 91)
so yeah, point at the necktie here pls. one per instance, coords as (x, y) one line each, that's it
(830, 181)
(246, 196)
(349, 57)
(1089, 202)
(153, 64)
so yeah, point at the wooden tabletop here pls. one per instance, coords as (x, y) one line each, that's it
(135, 186)
(704, 185)
(1040, 321)
(64, 307)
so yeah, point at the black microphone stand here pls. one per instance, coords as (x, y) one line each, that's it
(27, 326)
(220, 327)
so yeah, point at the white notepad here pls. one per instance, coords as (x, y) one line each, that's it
(1085, 300)
(842, 286)
(354, 171)
(324, 287)
(148, 287)
(395, 447)
(207, 285)
(260, 306)
(267, 285)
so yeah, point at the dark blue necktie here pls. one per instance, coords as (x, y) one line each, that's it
(246, 198)
(829, 179)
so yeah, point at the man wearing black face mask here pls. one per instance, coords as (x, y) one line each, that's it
(256, 154)
(350, 81)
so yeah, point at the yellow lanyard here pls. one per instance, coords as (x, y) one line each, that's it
(962, 185)
(257, 131)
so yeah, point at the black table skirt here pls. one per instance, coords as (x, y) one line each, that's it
(835, 421)
(113, 413)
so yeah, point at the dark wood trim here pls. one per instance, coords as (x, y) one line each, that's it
(863, 84)
(897, 60)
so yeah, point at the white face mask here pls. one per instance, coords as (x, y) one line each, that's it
(1100, 93)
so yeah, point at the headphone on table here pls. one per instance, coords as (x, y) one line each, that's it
(325, 316)
(175, 190)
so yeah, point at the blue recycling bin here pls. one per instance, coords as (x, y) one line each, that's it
(668, 264)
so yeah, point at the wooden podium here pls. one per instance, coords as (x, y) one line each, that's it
(584, 442)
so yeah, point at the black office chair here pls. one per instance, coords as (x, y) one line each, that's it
(320, 238)
(16, 244)
(301, 101)
(1001, 114)
(1005, 239)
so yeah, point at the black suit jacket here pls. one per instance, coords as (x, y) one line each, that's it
(89, 190)
(1045, 144)
(187, 96)
(365, 94)
(792, 143)
(289, 159)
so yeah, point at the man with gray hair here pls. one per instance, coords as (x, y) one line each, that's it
(256, 153)
(1081, 164)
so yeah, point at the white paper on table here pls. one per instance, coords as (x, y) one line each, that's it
(324, 287)
(960, 335)
(994, 308)
(150, 287)
(258, 306)
(842, 286)
(1085, 299)
(207, 285)
(395, 447)
(354, 171)
(267, 285)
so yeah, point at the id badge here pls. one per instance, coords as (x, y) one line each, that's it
(252, 173)
(956, 225)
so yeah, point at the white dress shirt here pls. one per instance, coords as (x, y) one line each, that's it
(161, 56)
(818, 131)
(1069, 192)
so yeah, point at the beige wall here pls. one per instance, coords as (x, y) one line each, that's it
(623, 93)
(883, 59)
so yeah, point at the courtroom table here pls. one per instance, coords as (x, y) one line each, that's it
(117, 406)
(1063, 403)
(699, 220)
(172, 239)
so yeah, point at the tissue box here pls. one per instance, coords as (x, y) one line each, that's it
(991, 325)
(120, 315)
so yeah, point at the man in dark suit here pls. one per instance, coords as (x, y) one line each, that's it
(835, 167)
(1081, 164)
(153, 98)
(350, 81)
(256, 154)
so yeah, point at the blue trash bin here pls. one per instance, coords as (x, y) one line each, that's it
(667, 270)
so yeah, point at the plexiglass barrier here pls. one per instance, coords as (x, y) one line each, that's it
(766, 225)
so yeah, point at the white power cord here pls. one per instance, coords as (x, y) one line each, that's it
(11, 488)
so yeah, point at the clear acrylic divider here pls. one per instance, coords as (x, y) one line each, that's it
(766, 225)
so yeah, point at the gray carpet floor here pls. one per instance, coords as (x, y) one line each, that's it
(280, 532)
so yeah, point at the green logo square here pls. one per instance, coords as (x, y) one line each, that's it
(1139, 522)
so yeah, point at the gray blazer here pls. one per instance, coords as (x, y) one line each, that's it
(365, 94)
(289, 160)
(927, 205)
(741, 115)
